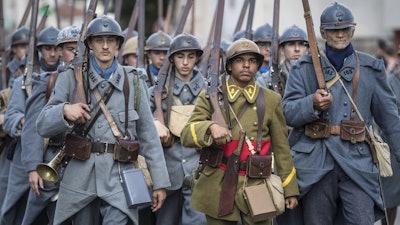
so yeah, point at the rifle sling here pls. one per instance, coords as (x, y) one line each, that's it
(170, 94)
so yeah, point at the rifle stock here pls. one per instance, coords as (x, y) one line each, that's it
(214, 74)
(31, 52)
(162, 75)
(276, 82)
(79, 94)
(312, 40)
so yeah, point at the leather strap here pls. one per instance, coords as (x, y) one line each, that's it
(50, 84)
(260, 103)
(355, 86)
(170, 95)
(107, 96)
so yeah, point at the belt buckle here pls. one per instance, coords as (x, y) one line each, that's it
(105, 147)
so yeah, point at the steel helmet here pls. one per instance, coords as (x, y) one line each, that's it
(47, 36)
(130, 46)
(336, 16)
(243, 46)
(240, 34)
(184, 42)
(263, 33)
(68, 34)
(20, 36)
(160, 41)
(133, 34)
(103, 26)
(293, 33)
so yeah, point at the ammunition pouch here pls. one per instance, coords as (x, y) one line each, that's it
(211, 156)
(352, 130)
(259, 166)
(77, 147)
(317, 129)
(126, 150)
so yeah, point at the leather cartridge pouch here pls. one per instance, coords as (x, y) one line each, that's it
(126, 150)
(352, 130)
(258, 166)
(77, 146)
(317, 129)
(211, 156)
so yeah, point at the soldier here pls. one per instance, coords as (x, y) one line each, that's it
(43, 195)
(184, 85)
(156, 49)
(96, 175)
(336, 170)
(129, 54)
(13, 207)
(263, 37)
(19, 42)
(243, 61)
(240, 34)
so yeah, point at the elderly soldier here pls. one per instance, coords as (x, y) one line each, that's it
(43, 194)
(156, 49)
(129, 54)
(18, 187)
(19, 42)
(185, 84)
(258, 112)
(94, 172)
(336, 169)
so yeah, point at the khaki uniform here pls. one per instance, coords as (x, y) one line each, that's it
(207, 188)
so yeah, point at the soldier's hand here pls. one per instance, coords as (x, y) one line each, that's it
(166, 138)
(35, 182)
(291, 202)
(220, 134)
(77, 113)
(158, 199)
(322, 99)
(1, 119)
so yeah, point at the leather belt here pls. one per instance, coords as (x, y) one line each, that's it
(335, 130)
(101, 147)
(242, 164)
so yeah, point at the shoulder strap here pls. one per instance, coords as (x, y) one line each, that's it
(50, 84)
(260, 103)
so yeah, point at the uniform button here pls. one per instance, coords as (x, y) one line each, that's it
(98, 139)
(327, 113)
(183, 160)
(255, 123)
(252, 138)
(102, 85)
(254, 108)
(344, 103)
(185, 89)
(99, 126)
(345, 114)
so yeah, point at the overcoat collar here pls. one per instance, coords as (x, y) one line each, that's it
(250, 92)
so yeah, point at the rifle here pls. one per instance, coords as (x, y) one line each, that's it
(312, 41)
(32, 58)
(131, 26)
(106, 6)
(162, 75)
(241, 16)
(80, 59)
(117, 10)
(26, 14)
(214, 74)
(207, 49)
(3, 50)
(168, 16)
(275, 82)
(140, 50)
(250, 16)
(43, 20)
(57, 14)
(160, 15)
(71, 18)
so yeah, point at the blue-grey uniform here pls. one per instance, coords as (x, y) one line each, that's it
(315, 158)
(12, 68)
(390, 185)
(181, 161)
(99, 176)
(18, 183)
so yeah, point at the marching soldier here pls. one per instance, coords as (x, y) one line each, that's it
(184, 85)
(19, 42)
(13, 207)
(95, 171)
(129, 54)
(156, 50)
(258, 112)
(263, 38)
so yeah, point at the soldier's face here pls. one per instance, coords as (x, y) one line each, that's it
(243, 68)
(50, 55)
(338, 39)
(19, 51)
(104, 48)
(184, 62)
(293, 50)
(67, 52)
(157, 57)
(265, 50)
